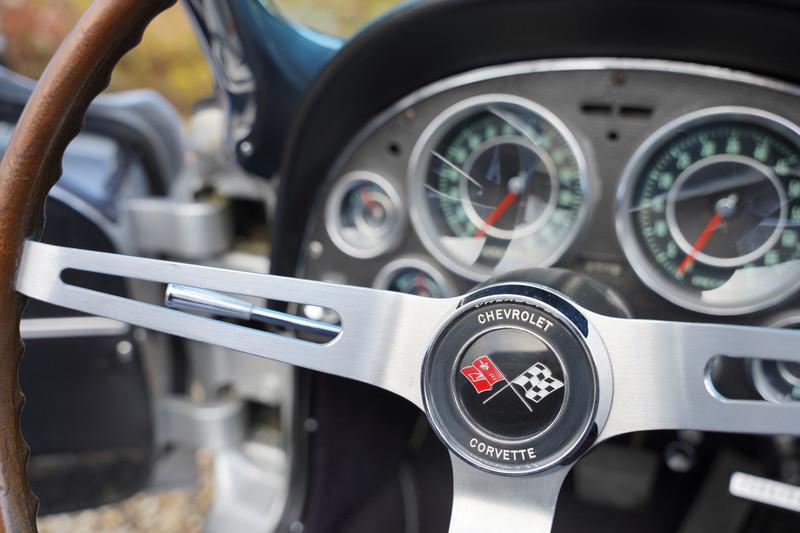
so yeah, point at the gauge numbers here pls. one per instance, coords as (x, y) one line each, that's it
(364, 215)
(499, 184)
(711, 211)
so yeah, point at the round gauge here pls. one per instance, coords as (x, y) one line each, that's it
(498, 183)
(413, 276)
(709, 209)
(778, 381)
(364, 215)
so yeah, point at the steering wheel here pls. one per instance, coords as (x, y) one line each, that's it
(517, 379)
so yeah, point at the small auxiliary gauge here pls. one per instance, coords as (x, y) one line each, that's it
(778, 381)
(413, 276)
(364, 215)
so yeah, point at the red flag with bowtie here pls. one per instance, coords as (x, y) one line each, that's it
(483, 374)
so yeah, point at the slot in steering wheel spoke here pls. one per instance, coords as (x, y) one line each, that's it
(383, 339)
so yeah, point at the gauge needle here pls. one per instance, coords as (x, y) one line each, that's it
(498, 212)
(455, 167)
(701, 243)
(420, 282)
(366, 197)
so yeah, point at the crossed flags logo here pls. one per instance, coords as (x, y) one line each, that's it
(535, 383)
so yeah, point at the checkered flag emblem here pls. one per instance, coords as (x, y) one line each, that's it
(537, 383)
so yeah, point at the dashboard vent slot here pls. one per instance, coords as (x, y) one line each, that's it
(593, 108)
(634, 111)
(621, 110)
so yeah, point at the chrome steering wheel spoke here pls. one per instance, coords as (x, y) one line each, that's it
(383, 339)
(489, 503)
(661, 377)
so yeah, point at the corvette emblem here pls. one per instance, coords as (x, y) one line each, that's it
(510, 386)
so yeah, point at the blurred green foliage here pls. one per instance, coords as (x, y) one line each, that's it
(334, 17)
(169, 59)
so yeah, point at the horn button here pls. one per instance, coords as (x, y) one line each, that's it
(509, 383)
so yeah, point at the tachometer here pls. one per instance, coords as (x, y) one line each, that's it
(498, 183)
(710, 209)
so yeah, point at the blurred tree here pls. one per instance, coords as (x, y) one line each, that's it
(169, 59)
(335, 17)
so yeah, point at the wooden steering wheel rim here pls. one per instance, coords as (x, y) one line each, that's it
(55, 113)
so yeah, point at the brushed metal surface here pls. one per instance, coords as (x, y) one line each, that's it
(486, 503)
(661, 377)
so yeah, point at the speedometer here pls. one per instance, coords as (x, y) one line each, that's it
(710, 209)
(499, 183)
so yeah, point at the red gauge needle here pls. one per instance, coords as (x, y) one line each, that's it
(498, 212)
(366, 197)
(701, 243)
(420, 282)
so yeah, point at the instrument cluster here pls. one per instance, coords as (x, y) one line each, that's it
(676, 185)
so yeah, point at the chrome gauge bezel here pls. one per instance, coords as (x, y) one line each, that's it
(420, 159)
(764, 382)
(384, 277)
(333, 223)
(647, 272)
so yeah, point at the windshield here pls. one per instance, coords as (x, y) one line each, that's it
(341, 18)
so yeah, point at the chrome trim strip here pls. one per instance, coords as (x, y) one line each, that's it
(606, 63)
(192, 300)
(564, 65)
(71, 327)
